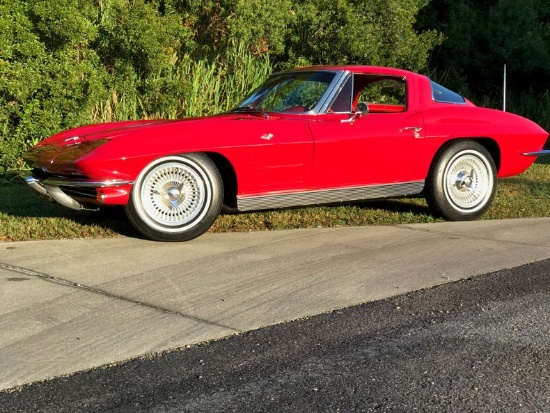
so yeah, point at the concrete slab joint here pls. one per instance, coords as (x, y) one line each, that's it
(72, 305)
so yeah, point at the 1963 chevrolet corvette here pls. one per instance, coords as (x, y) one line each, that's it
(315, 135)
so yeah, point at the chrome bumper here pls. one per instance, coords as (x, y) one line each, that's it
(50, 189)
(542, 152)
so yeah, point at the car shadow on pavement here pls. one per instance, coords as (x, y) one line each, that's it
(18, 203)
(402, 205)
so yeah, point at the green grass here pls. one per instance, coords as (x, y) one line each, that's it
(24, 216)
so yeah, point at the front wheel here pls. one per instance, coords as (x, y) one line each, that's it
(462, 181)
(176, 198)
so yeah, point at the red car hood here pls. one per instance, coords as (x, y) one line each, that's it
(112, 130)
(96, 131)
(59, 152)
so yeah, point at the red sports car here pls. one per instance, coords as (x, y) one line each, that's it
(315, 135)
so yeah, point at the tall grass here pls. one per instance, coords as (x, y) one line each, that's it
(533, 106)
(189, 88)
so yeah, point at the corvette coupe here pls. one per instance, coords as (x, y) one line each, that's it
(314, 135)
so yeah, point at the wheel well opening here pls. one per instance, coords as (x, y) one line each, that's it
(488, 143)
(492, 147)
(229, 178)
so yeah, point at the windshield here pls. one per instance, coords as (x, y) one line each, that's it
(288, 92)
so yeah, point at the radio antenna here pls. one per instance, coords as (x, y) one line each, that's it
(504, 93)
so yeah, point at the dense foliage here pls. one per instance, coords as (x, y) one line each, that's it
(482, 36)
(70, 62)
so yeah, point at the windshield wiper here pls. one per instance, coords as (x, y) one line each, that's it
(250, 109)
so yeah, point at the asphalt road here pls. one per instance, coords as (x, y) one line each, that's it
(476, 345)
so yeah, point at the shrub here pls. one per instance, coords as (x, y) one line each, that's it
(69, 62)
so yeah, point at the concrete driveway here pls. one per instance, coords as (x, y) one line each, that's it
(72, 305)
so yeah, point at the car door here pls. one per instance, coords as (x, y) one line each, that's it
(379, 147)
(273, 155)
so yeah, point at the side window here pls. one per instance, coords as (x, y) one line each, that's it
(381, 94)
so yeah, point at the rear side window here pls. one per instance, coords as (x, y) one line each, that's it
(443, 95)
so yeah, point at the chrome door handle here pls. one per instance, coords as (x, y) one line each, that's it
(416, 130)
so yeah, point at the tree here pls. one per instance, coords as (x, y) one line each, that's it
(482, 36)
(69, 62)
(48, 72)
(377, 32)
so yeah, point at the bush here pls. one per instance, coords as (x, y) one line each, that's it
(65, 63)
(375, 32)
(50, 76)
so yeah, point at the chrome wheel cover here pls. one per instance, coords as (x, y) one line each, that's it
(468, 181)
(173, 194)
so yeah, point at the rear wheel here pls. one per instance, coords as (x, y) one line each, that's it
(176, 198)
(462, 181)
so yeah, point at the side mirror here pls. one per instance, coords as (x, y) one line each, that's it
(361, 110)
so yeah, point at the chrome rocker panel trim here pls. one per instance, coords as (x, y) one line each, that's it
(50, 189)
(328, 196)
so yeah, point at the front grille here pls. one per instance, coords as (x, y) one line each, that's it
(42, 175)
(76, 192)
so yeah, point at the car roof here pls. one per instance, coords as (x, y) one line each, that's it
(360, 69)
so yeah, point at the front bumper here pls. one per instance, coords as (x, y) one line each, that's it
(106, 192)
(542, 152)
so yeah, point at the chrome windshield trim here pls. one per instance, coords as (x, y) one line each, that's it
(340, 77)
(542, 152)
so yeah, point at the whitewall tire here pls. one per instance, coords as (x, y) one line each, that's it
(176, 198)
